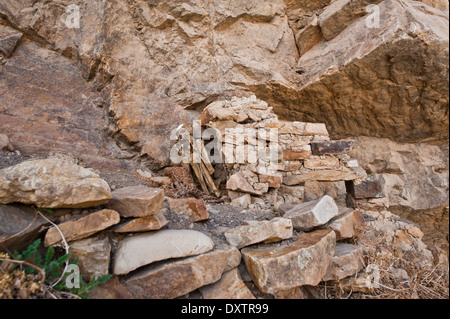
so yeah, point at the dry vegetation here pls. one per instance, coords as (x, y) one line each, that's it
(393, 274)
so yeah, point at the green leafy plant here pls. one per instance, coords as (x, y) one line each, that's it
(54, 267)
(84, 288)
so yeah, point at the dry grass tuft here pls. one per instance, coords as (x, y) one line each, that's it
(393, 274)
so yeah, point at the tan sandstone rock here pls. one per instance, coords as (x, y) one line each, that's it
(348, 224)
(52, 183)
(280, 268)
(137, 201)
(308, 215)
(340, 77)
(253, 232)
(83, 227)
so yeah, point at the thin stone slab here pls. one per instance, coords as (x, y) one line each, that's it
(83, 227)
(143, 224)
(332, 147)
(137, 251)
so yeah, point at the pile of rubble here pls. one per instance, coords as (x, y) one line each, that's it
(277, 161)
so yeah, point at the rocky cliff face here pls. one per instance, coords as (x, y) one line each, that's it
(110, 89)
(357, 90)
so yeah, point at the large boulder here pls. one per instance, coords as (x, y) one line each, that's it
(386, 79)
(52, 183)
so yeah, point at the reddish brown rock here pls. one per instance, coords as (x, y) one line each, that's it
(93, 255)
(366, 189)
(137, 201)
(340, 14)
(205, 117)
(190, 208)
(273, 180)
(341, 76)
(289, 155)
(143, 224)
(309, 36)
(112, 289)
(42, 115)
(19, 226)
(83, 227)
